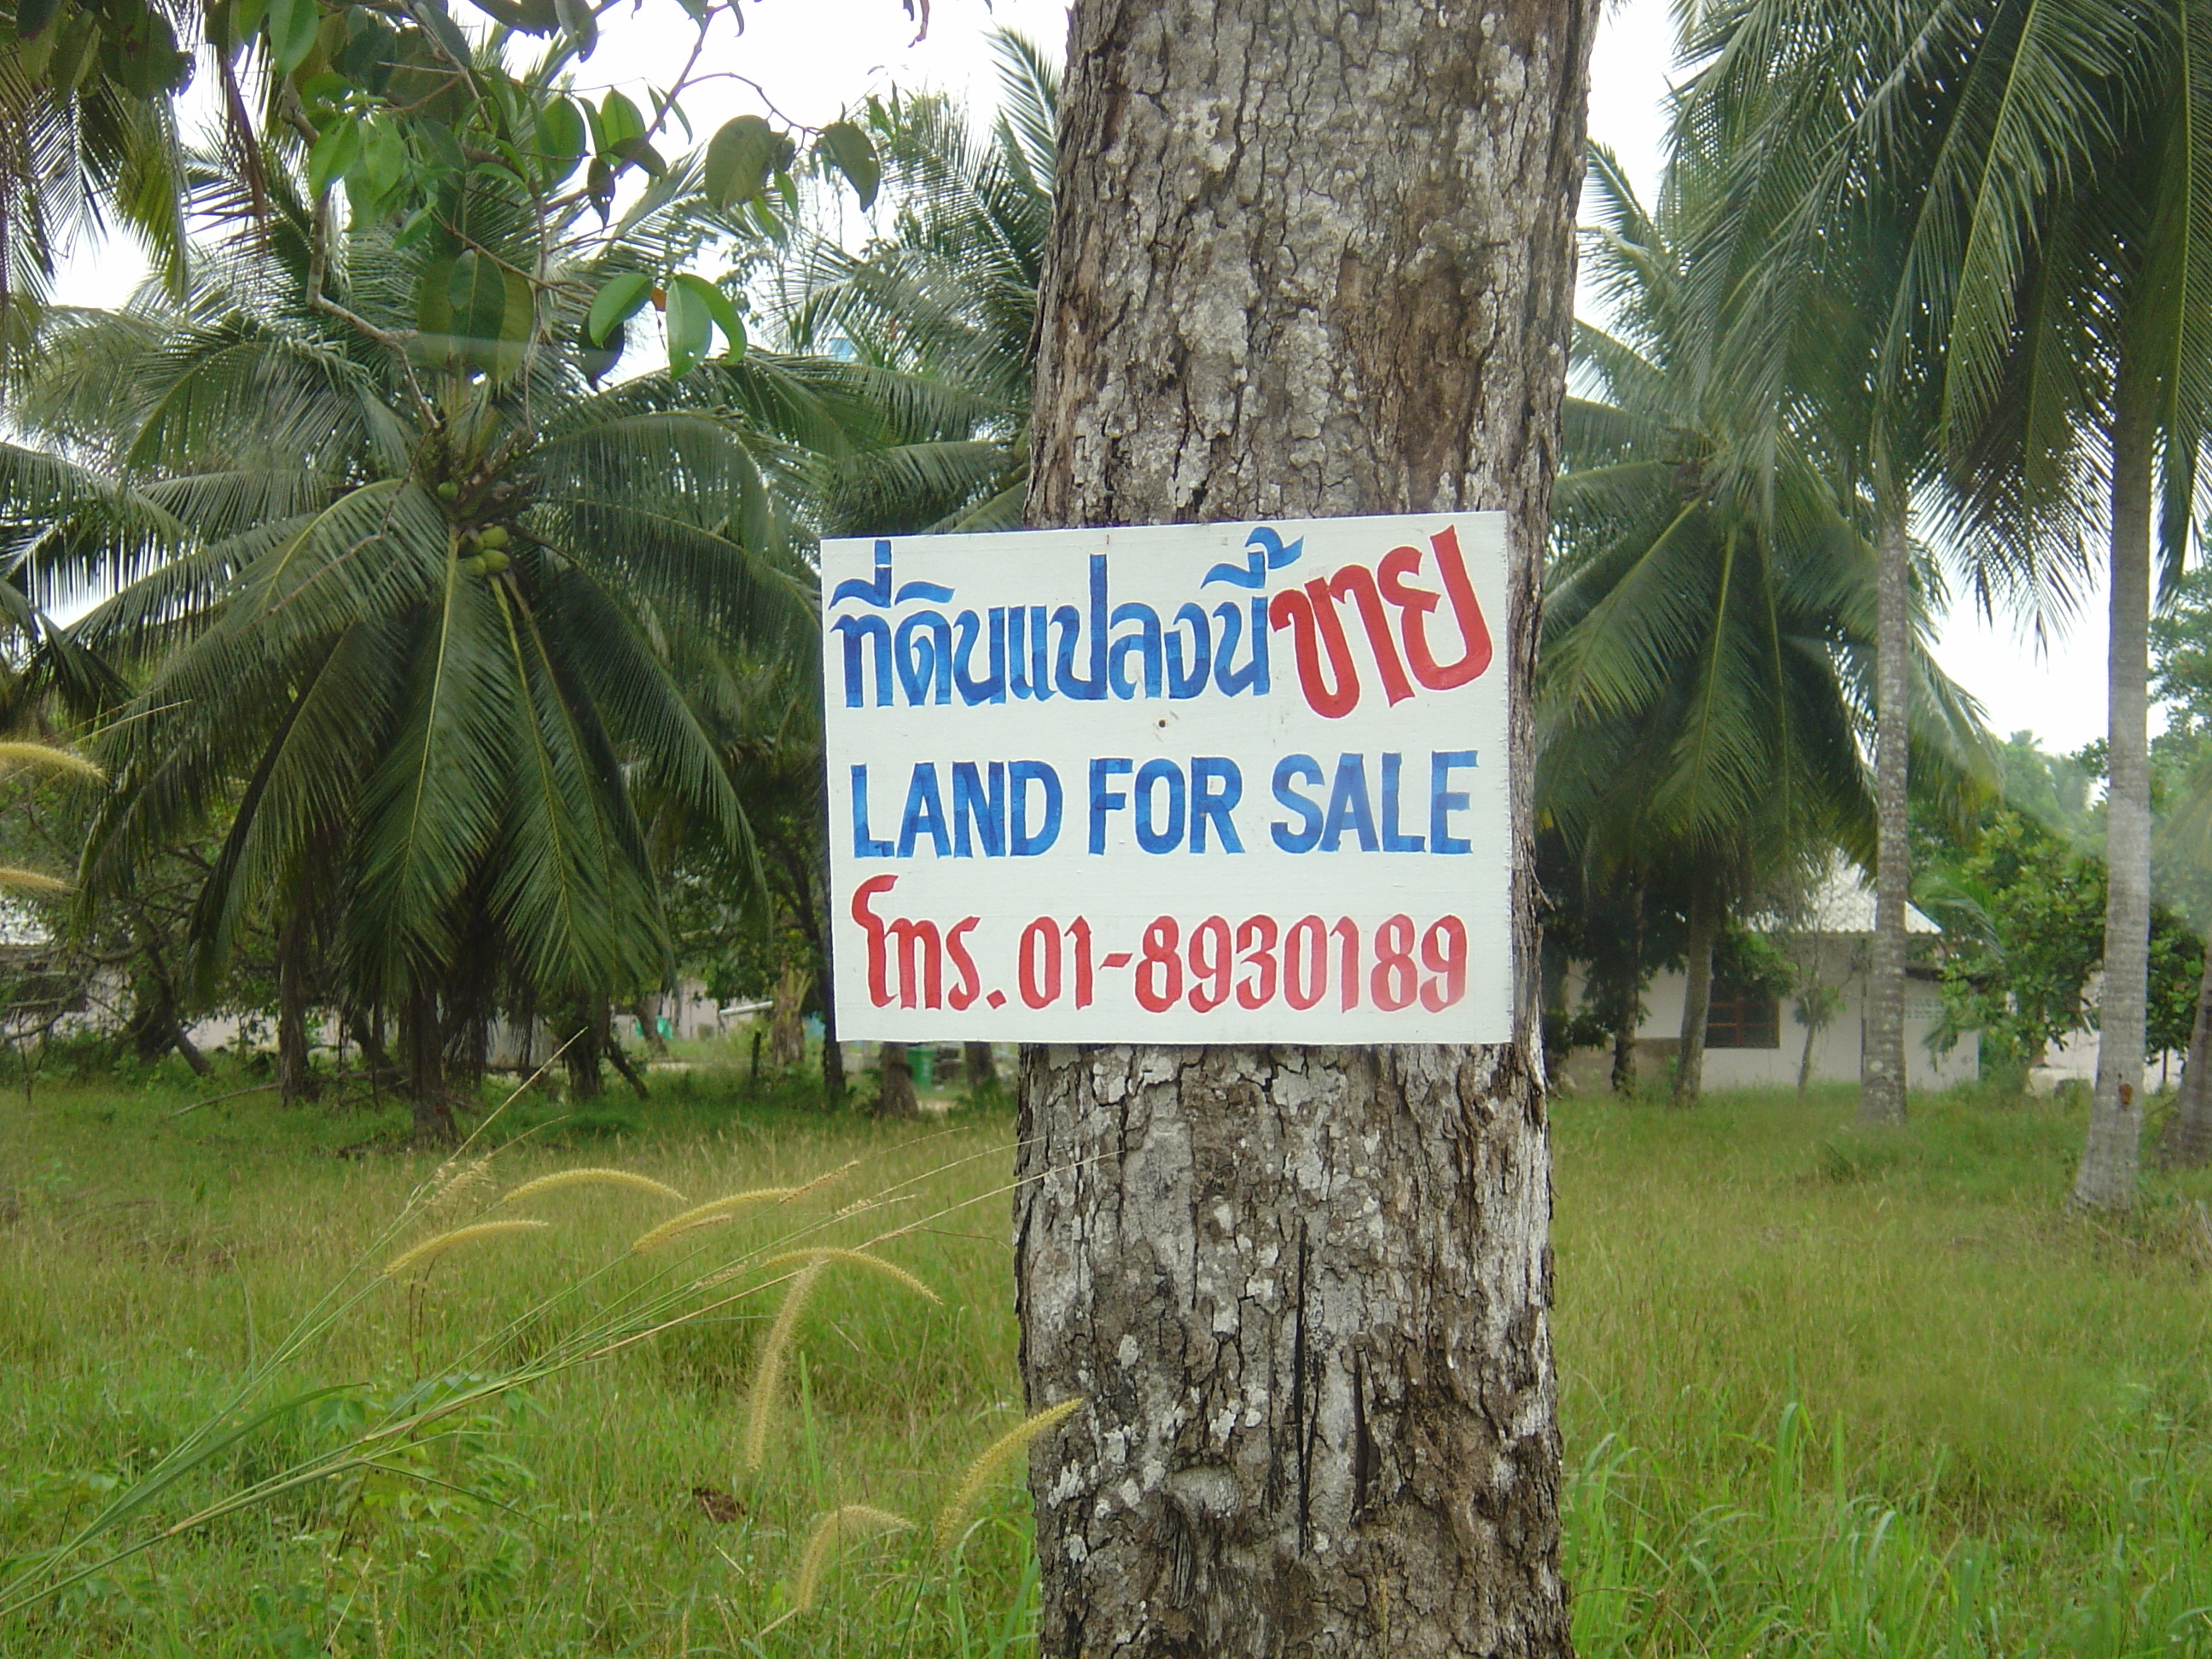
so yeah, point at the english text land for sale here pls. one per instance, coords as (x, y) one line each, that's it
(1217, 783)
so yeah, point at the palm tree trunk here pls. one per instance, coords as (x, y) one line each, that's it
(296, 1078)
(1631, 999)
(582, 1052)
(2106, 1179)
(1881, 1055)
(1305, 259)
(2186, 1140)
(895, 1096)
(422, 1041)
(1697, 987)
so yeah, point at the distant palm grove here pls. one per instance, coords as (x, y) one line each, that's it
(413, 600)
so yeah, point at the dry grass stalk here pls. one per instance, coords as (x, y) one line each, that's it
(701, 1215)
(862, 1520)
(857, 1258)
(431, 1249)
(996, 1456)
(821, 1181)
(594, 1177)
(768, 1376)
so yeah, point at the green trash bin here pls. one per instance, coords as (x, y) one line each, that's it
(921, 1061)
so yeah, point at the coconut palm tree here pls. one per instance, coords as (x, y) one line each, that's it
(2049, 165)
(948, 293)
(1704, 677)
(415, 613)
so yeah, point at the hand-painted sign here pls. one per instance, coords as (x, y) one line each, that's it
(1197, 783)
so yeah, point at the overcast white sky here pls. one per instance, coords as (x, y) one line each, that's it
(817, 57)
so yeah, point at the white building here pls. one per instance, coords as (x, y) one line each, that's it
(1753, 1037)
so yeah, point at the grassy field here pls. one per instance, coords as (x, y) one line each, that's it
(1823, 1394)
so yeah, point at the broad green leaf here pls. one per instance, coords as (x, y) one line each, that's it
(618, 301)
(848, 149)
(292, 25)
(739, 159)
(383, 156)
(492, 312)
(619, 122)
(245, 17)
(560, 138)
(334, 153)
(690, 322)
(717, 306)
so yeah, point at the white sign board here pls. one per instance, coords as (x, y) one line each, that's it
(1196, 783)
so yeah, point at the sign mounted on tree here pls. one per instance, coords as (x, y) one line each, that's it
(1196, 783)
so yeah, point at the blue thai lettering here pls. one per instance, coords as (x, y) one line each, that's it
(1145, 643)
(969, 628)
(1028, 671)
(1182, 686)
(1253, 677)
(1069, 622)
(855, 630)
(923, 651)
(878, 591)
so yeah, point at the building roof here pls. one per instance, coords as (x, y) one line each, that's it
(1844, 905)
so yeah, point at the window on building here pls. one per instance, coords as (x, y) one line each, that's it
(1743, 1017)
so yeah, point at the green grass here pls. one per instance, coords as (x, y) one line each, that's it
(1823, 1393)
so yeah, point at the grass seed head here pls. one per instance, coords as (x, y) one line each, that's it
(768, 1374)
(563, 1179)
(996, 1456)
(35, 883)
(858, 1520)
(701, 1215)
(859, 1259)
(431, 1249)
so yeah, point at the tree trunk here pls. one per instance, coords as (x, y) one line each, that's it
(295, 1077)
(1697, 987)
(1631, 1000)
(786, 1025)
(979, 1066)
(1305, 259)
(581, 1055)
(422, 1041)
(895, 1096)
(2186, 1140)
(646, 1011)
(1882, 1052)
(2106, 1179)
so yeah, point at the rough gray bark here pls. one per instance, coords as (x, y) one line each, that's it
(2186, 1140)
(1882, 1051)
(2106, 1179)
(1307, 258)
(1697, 989)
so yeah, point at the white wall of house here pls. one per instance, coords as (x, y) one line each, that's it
(1835, 1050)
